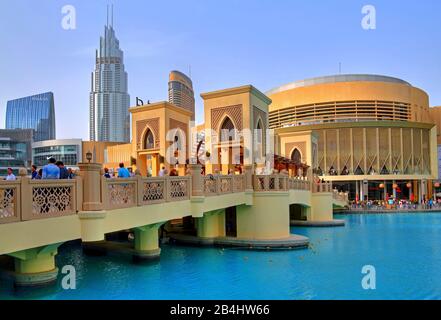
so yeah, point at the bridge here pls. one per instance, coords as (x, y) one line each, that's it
(37, 216)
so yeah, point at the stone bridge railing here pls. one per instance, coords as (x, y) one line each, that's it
(138, 191)
(216, 185)
(320, 187)
(27, 199)
(264, 183)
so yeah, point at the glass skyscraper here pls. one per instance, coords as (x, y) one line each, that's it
(35, 112)
(180, 91)
(109, 101)
(15, 149)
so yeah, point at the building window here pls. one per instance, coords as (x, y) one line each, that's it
(228, 130)
(149, 141)
(296, 156)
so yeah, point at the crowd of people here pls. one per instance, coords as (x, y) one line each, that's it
(53, 170)
(123, 172)
(396, 204)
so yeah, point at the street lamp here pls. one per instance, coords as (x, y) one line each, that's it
(89, 156)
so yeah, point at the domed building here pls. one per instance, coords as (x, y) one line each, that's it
(370, 135)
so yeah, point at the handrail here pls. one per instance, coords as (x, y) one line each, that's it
(265, 183)
(223, 184)
(118, 193)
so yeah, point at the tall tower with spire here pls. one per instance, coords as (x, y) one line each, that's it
(109, 118)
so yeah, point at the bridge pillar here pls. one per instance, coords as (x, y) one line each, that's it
(321, 207)
(147, 242)
(267, 219)
(211, 225)
(36, 266)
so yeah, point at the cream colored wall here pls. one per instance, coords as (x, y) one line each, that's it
(117, 154)
(99, 148)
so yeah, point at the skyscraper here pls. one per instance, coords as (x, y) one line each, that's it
(180, 91)
(109, 118)
(35, 112)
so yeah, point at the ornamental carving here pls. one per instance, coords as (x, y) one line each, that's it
(49, 201)
(141, 126)
(233, 112)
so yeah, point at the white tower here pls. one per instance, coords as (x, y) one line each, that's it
(109, 101)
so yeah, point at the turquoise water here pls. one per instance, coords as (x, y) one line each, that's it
(404, 249)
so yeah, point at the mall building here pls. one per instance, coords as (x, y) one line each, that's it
(373, 136)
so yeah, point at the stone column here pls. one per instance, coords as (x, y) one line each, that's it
(91, 175)
(248, 172)
(36, 266)
(92, 215)
(147, 242)
(197, 183)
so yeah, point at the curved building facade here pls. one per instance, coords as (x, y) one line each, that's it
(180, 91)
(371, 135)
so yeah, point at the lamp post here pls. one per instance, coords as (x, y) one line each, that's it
(89, 156)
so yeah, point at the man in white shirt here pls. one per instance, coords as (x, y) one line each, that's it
(10, 176)
(162, 172)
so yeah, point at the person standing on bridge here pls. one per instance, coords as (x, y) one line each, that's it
(123, 172)
(64, 174)
(106, 173)
(162, 172)
(51, 171)
(10, 176)
(35, 175)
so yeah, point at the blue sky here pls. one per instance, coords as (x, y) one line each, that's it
(266, 43)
